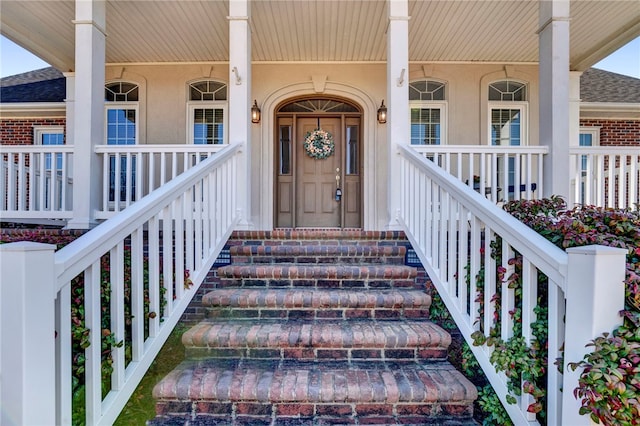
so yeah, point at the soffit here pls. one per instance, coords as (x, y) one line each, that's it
(152, 31)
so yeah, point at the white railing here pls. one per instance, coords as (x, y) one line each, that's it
(129, 172)
(496, 171)
(36, 181)
(164, 242)
(606, 176)
(456, 233)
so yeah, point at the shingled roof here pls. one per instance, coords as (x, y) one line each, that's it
(43, 85)
(597, 85)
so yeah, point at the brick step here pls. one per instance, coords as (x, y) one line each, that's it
(322, 254)
(325, 340)
(314, 304)
(320, 276)
(274, 393)
(320, 235)
(318, 420)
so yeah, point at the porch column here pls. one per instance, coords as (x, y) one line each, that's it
(397, 99)
(70, 107)
(88, 113)
(574, 129)
(240, 101)
(554, 94)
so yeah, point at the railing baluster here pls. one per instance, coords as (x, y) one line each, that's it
(462, 256)
(622, 182)
(63, 355)
(116, 259)
(529, 302)
(167, 258)
(555, 339)
(93, 361)
(442, 233)
(137, 296)
(154, 276)
(507, 300)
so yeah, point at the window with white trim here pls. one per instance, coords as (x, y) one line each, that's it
(49, 135)
(508, 110)
(207, 109)
(121, 121)
(507, 113)
(427, 101)
(589, 136)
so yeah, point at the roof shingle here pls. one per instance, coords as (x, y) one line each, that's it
(43, 85)
(603, 86)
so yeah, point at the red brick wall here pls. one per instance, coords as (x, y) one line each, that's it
(616, 132)
(19, 131)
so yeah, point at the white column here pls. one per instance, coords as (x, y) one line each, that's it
(240, 101)
(595, 295)
(397, 98)
(554, 94)
(27, 334)
(88, 122)
(574, 129)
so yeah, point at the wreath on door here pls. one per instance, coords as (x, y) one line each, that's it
(319, 144)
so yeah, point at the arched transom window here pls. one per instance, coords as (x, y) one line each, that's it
(427, 100)
(121, 107)
(207, 108)
(507, 113)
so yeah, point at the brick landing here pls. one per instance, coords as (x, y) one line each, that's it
(316, 327)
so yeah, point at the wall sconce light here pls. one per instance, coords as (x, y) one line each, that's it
(382, 113)
(255, 112)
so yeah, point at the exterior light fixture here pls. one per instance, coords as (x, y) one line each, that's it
(382, 113)
(255, 112)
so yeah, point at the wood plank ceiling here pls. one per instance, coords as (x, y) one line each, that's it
(146, 31)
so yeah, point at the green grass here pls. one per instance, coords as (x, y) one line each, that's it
(141, 405)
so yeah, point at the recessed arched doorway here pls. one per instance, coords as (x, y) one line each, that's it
(312, 191)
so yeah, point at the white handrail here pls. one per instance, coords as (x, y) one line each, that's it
(36, 181)
(129, 172)
(606, 176)
(502, 173)
(457, 233)
(452, 229)
(196, 211)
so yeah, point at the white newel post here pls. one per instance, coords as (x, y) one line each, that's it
(27, 334)
(397, 99)
(554, 94)
(595, 295)
(88, 123)
(240, 101)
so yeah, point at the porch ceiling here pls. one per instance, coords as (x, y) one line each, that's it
(147, 31)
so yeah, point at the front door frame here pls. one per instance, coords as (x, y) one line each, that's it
(290, 185)
(263, 150)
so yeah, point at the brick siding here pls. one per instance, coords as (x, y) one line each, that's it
(616, 132)
(19, 131)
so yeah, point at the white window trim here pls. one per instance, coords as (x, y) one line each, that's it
(442, 106)
(39, 131)
(121, 105)
(523, 106)
(192, 105)
(594, 131)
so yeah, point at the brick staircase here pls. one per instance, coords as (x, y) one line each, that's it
(316, 328)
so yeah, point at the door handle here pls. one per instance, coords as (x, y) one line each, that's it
(338, 177)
